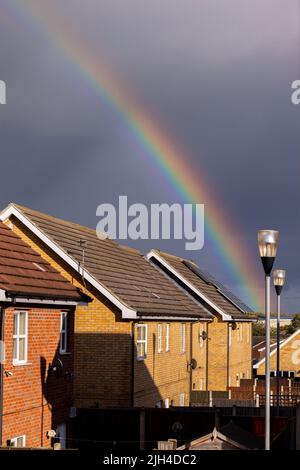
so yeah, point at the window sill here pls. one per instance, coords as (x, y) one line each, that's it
(19, 364)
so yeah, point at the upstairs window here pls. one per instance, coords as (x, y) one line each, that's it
(20, 338)
(141, 341)
(201, 342)
(182, 337)
(159, 337)
(63, 343)
(167, 337)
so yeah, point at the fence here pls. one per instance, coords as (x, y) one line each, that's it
(251, 393)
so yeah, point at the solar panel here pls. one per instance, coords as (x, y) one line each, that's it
(209, 279)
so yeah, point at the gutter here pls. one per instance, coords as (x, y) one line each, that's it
(132, 378)
(2, 319)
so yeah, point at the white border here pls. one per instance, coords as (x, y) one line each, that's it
(154, 254)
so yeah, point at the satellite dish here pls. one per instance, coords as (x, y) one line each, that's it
(58, 368)
(234, 326)
(193, 364)
(203, 335)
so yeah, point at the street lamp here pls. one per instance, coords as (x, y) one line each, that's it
(279, 280)
(267, 245)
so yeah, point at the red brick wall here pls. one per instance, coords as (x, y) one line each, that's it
(34, 400)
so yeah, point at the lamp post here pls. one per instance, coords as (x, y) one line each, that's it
(267, 245)
(279, 280)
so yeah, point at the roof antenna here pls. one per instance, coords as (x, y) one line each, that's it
(82, 244)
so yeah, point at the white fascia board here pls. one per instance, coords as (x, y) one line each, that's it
(155, 255)
(283, 343)
(127, 312)
(164, 318)
(28, 300)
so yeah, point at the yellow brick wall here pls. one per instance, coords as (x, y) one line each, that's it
(217, 355)
(240, 353)
(289, 357)
(166, 375)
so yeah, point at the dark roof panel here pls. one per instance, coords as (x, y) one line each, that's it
(23, 272)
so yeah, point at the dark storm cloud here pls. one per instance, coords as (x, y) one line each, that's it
(217, 75)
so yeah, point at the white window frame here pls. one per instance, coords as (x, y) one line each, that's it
(229, 334)
(166, 403)
(182, 399)
(182, 338)
(63, 348)
(159, 337)
(142, 341)
(167, 337)
(18, 336)
(13, 441)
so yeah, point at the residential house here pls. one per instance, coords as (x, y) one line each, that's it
(289, 351)
(36, 331)
(227, 345)
(140, 342)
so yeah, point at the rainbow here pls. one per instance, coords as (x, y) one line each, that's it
(156, 145)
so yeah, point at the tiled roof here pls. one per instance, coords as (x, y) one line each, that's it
(181, 267)
(123, 271)
(24, 273)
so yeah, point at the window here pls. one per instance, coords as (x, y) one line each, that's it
(181, 399)
(229, 334)
(182, 337)
(248, 332)
(20, 338)
(167, 337)
(200, 384)
(63, 333)
(241, 332)
(166, 403)
(159, 334)
(141, 341)
(201, 336)
(19, 441)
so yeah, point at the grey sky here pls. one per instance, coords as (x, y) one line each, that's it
(216, 73)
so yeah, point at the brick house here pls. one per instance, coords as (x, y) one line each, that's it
(228, 344)
(36, 331)
(144, 340)
(289, 356)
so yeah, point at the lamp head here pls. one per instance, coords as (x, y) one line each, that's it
(267, 245)
(279, 280)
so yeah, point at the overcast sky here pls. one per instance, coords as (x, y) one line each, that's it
(216, 73)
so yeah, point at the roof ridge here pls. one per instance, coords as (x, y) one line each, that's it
(52, 217)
